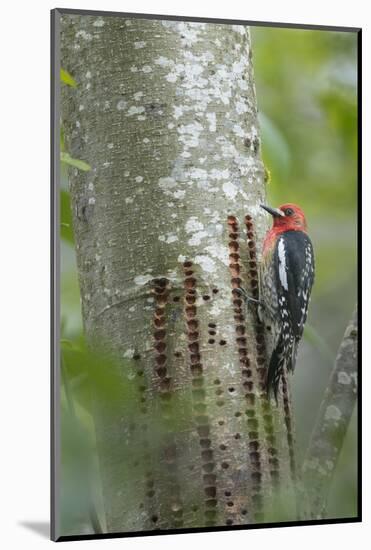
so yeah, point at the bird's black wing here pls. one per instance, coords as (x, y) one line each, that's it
(294, 274)
(294, 277)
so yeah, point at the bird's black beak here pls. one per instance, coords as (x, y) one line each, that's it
(275, 212)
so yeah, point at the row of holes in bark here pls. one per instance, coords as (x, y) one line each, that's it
(253, 289)
(176, 505)
(147, 459)
(261, 349)
(198, 395)
(145, 453)
(241, 340)
(161, 292)
(252, 272)
(205, 297)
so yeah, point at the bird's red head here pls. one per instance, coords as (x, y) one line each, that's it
(287, 217)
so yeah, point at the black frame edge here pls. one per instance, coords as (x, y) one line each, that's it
(303, 26)
(52, 259)
(67, 538)
(54, 279)
(359, 282)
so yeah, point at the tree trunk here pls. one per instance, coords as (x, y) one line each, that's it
(332, 423)
(167, 225)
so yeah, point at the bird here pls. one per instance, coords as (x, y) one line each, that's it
(286, 277)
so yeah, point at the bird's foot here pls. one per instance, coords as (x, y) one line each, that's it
(248, 299)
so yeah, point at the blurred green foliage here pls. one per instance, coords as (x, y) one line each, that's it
(306, 90)
(307, 97)
(306, 85)
(66, 217)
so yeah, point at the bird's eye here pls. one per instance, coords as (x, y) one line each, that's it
(289, 211)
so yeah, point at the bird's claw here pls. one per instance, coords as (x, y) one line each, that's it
(242, 292)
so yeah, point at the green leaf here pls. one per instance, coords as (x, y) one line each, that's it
(66, 217)
(66, 78)
(76, 163)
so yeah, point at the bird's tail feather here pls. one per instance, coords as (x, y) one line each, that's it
(282, 355)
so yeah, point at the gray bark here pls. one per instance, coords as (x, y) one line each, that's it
(332, 423)
(166, 115)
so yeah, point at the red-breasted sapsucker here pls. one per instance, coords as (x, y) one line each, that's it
(286, 279)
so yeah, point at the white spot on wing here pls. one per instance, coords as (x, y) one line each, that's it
(282, 264)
